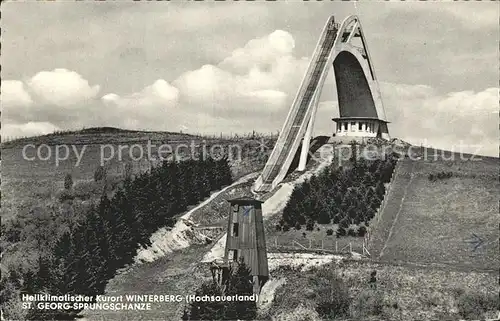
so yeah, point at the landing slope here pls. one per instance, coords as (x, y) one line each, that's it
(432, 221)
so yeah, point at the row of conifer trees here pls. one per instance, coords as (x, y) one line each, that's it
(343, 195)
(88, 255)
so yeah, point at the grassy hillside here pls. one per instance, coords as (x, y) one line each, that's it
(426, 269)
(427, 222)
(96, 135)
(402, 293)
(27, 183)
(430, 221)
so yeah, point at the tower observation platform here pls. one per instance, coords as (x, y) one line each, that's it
(361, 112)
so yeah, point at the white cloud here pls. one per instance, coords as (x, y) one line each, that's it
(206, 84)
(159, 94)
(150, 108)
(418, 112)
(261, 53)
(273, 97)
(27, 129)
(14, 94)
(61, 87)
(469, 103)
(257, 77)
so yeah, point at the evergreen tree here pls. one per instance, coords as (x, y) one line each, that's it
(241, 284)
(207, 310)
(380, 189)
(310, 225)
(100, 174)
(95, 243)
(68, 182)
(128, 171)
(324, 216)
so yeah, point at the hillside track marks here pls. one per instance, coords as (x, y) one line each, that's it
(438, 217)
(397, 214)
(381, 228)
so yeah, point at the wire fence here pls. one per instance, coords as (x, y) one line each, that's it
(330, 246)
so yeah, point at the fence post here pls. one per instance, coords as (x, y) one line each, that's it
(350, 247)
(276, 241)
(336, 248)
(322, 244)
(309, 243)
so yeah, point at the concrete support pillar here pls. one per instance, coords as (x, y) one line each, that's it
(256, 284)
(307, 137)
(375, 127)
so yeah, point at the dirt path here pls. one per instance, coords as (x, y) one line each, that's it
(180, 236)
(271, 206)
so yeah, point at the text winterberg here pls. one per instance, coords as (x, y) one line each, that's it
(153, 298)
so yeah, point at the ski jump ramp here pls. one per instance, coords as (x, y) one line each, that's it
(357, 89)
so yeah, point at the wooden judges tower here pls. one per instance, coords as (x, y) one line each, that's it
(246, 240)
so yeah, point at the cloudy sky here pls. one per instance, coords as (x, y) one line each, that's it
(235, 67)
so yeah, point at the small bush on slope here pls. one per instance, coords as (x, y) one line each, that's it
(368, 303)
(317, 293)
(333, 300)
(473, 305)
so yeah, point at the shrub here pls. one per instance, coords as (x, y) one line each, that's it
(128, 170)
(286, 228)
(329, 232)
(310, 226)
(361, 231)
(278, 227)
(344, 223)
(298, 226)
(68, 182)
(351, 232)
(341, 231)
(304, 234)
(368, 303)
(66, 195)
(333, 295)
(473, 305)
(439, 175)
(100, 174)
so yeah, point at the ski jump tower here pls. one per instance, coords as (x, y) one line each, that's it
(360, 104)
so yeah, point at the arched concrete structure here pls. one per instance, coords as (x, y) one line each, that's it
(353, 92)
(361, 112)
(360, 103)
